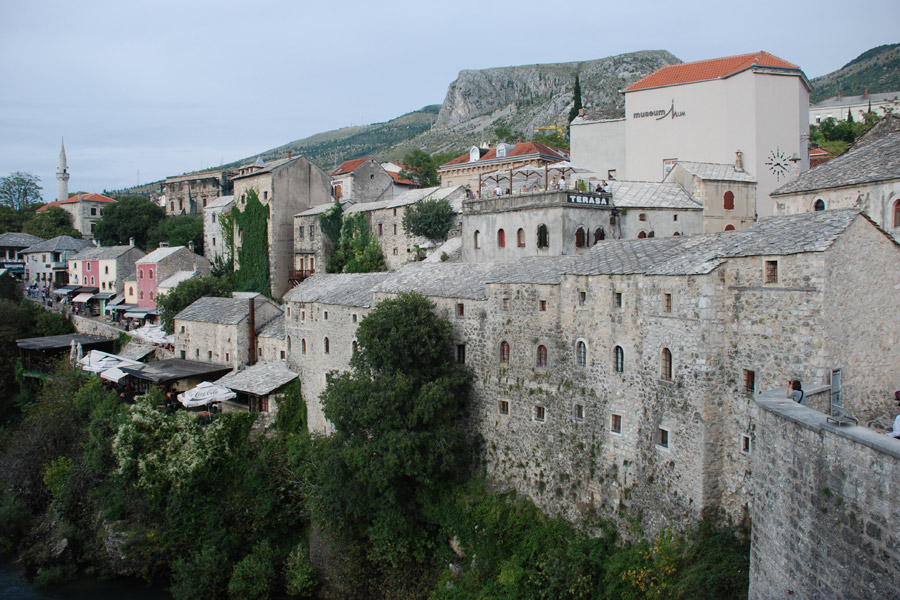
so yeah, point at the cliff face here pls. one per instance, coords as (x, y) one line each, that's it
(529, 96)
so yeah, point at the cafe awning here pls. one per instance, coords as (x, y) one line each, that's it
(103, 296)
(83, 297)
(204, 394)
(136, 314)
(64, 290)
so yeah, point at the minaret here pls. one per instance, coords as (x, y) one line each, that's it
(62, 175)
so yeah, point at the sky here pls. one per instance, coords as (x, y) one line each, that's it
(145, 90)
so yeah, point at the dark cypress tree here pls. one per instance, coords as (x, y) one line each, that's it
(577, 107)
(849, 116)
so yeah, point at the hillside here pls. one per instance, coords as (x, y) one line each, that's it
(877, 69)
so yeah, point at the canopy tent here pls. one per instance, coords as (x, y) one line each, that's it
(564, 167)
(114, 374)
(153, 334)
(205, 393)
(97, 361)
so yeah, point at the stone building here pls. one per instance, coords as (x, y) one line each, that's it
(286, 187)
(213, 238)
(867, 177)
(190, 193)
(466, 170)
(361, 180)
(270, 343)
(727, 193)
(624, 378)
(46, 263)
(223, 330)
(86, 210)
(160, 265)
(106, 268)
(838, 106)
(12, 247)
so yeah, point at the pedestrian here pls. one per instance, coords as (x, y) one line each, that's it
(895, 432)
(795, 392)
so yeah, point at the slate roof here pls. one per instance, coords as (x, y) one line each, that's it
(647, 194)
(871, 162)
(267, 167)
(261, 379)
(223, 311)
(173, 369)
(318, 209)
(14, 239)
(158, 255)
(519, 150)
(104, 253)
(220, 202)
(346, 289)
(716, 172)
(705, 70)
(60, 243)
(406, 198)
(56, 342)
(274, 328)
(175, 279)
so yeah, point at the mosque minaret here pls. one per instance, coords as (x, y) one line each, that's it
(62, 175)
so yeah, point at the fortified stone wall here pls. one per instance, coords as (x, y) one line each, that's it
(825, 508)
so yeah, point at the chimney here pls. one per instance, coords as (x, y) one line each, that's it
(866, 94)
(840, 94)
(739, 161)
(580, 112)
(191, 245)
(289, 154)
(131, 242)
(252, 322)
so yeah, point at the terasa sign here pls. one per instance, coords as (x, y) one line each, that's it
(585, 199)
(661, 113)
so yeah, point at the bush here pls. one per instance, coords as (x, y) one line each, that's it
(300, 580)
(254, 576)
(200, 576)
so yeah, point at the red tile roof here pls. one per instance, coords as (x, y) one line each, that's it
(397, 179)
(705, 70)
(518, 150)
(350, 165)
(77, 198)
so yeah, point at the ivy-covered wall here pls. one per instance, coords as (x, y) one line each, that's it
(252, 228)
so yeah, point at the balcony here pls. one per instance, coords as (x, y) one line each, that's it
(296, 276)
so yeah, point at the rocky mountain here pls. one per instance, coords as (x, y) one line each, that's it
(877, 69)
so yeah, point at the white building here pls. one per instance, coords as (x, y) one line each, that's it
(838, 106)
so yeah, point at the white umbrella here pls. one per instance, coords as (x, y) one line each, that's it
(204, 394)
(565, 166)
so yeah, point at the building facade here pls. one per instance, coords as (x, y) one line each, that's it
(213, 236)
(86, 210)
(466, 170)
(837, 107)
(106, 268)
(190, 193)
(47, 263)
(161, 264)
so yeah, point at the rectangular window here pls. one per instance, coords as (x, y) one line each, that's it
(312, 231)
(771, 271)
(615, 424)
(745, 443)
(282, 355)
(506, 304)
(182, 329)
(197, 352)
(209, 355)
(579, 412)
(461, 354)
(663, 438)
(504, 407)
(582, 297)
(539, 413)
(227, 357)
(326, 315)
(354, 318)
(380, 229)
(542, 305)
(182, 354)
(667, 303)
(301, 231)
(617, 299)
(460, 310)
(749, 381)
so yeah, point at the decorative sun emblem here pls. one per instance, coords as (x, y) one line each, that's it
(779, 163)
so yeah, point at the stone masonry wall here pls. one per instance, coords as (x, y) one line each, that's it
(825, 508)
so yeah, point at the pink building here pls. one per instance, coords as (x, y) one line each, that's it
(161, 264)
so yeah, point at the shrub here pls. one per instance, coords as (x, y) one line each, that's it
(300, 580)
(254, 576)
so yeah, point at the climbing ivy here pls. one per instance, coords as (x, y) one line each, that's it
(357, 250)
(253, 255)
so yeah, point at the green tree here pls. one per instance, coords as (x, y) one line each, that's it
(51, 223)
(576, 107)
(504, 133)
(357, 251)
(420, 168)
(14, 220)
(431, 219)
(178, 230)
(398, 440)
(20, 190)
(129, 217)
(186, 293)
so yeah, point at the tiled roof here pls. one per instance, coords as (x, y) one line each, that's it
(648, 194)
(350, 165)
(520, 150)
(104, 253)
(220, 202)
(716, 172)
(260, 379)
(77, 198)
(224, 311)
(871, 162)
(397, 179)
(158, 255)
(705, 70)
(347, 289)
(58, 244)
(14, 239)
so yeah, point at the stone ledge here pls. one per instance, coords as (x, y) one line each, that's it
(814, 420)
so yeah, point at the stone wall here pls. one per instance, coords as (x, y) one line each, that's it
(94, 327)
(825, 508)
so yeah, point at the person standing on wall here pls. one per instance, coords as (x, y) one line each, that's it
(795, 392)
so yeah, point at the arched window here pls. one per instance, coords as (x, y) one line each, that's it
(151, 294)
(520, 238)
(542, 356)
(289, 343)
(501, 238)
(543, 236)
(729, 200)
(327, 346)
(619, 359)
(476, 239)
(819, 205)
(504, 353)
(729, 227)
(302, 346)
(599, 234)
(665, 365)
(581, 354)
(642, 235)
(141, 295)
(580, 238)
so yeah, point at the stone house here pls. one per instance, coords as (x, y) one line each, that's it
(286, 187)
(213, 238)
(223, 330)
(12, 247)
(86, 210)
(466, 170)
(727, 193)
(106, 268)
(624, 378)
(361, 180)
(866, 176)
(258, 387)
(46, 263)
(190, 193)
(161, 264)
(270, 343)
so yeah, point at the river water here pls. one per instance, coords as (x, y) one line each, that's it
(15, 586)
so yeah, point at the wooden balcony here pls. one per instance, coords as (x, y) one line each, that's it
(296, 276)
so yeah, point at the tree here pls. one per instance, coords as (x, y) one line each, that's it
(431, 219)
(129, 217)
(186, 293)
(20, 190)
(357, 250)
(178, 230)
(420, 168)
(576, 107)
(398, 440)
(51, 223)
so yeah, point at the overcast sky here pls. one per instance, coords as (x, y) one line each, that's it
(143, 90)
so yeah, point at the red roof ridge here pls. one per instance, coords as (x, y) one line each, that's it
(519, 149)
(348, 166)
(708, 69)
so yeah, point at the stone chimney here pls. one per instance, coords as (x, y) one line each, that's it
(866, 94)
(840, 94)
(251, 360)
(739, 161)
(191, 245)
(289, 154)
(580, 112)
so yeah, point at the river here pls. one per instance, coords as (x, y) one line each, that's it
(15, 586)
